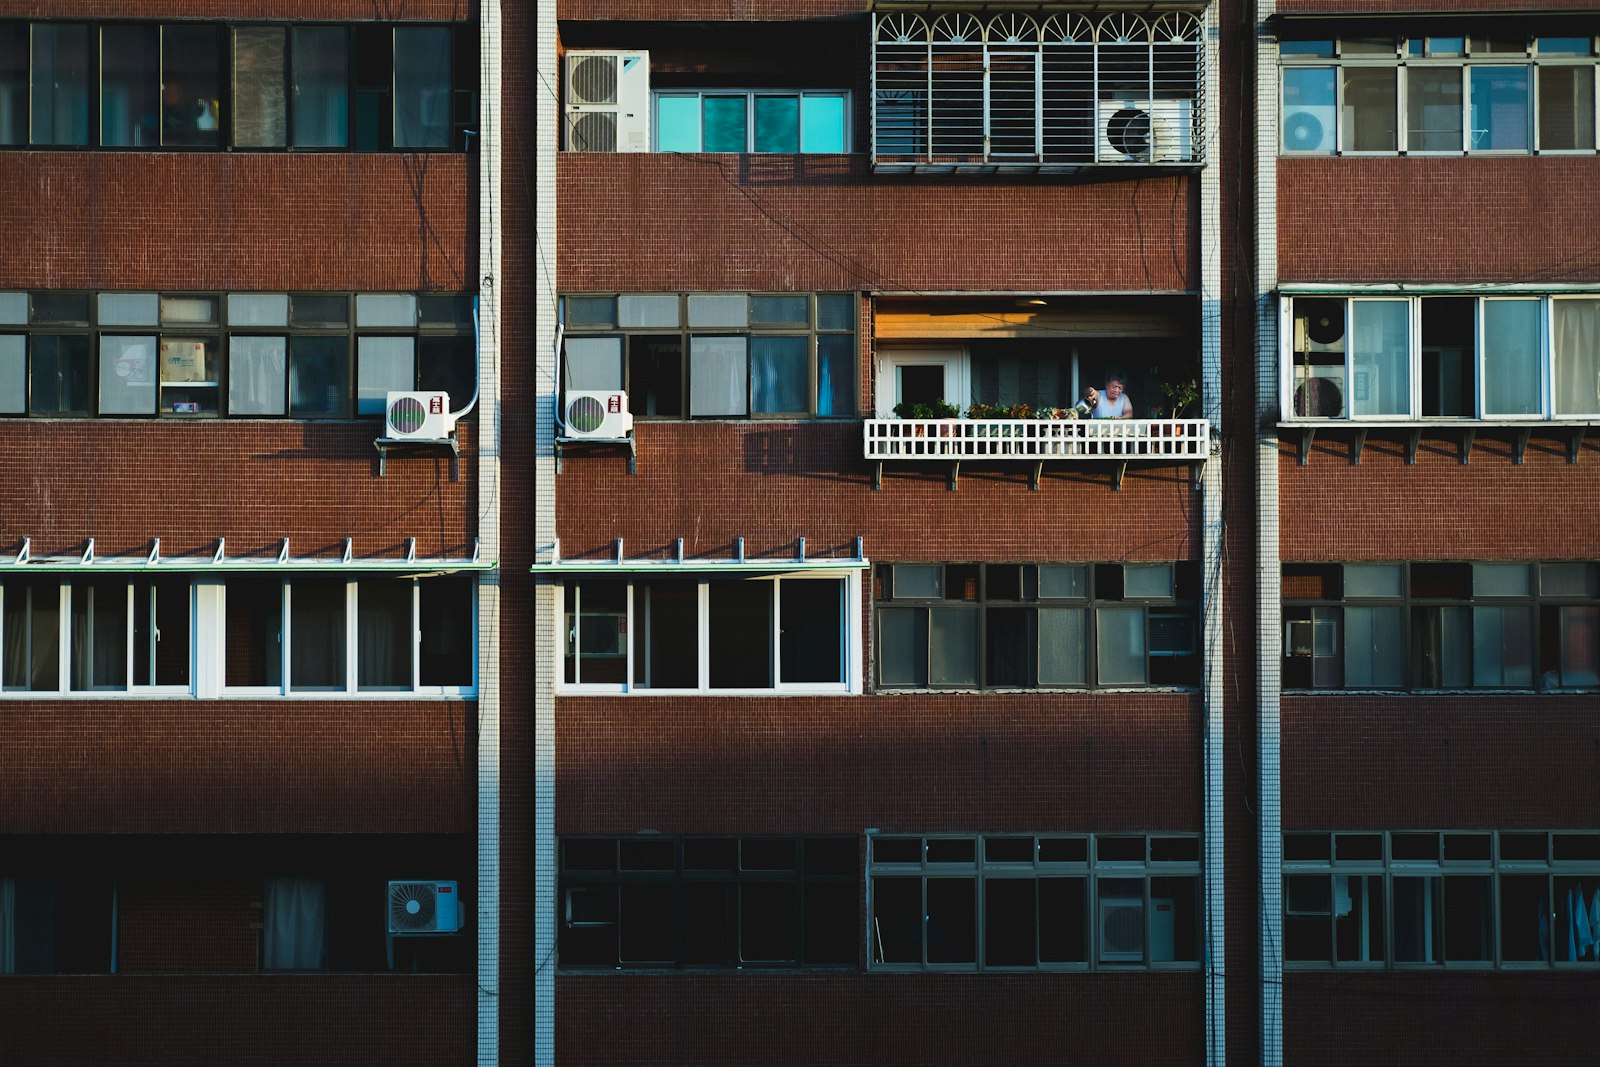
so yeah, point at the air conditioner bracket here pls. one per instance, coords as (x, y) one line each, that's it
(384, 444)
(562, 443)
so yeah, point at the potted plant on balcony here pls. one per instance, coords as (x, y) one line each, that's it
(939, 409)
(1180, 396)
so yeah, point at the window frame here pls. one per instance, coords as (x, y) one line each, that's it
(751, 95)
(1417, 54)
(1098, 869)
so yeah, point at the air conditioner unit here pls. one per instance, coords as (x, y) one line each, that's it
(1319, 391)
(597, 416)
(420, 908)
(1308, 638)
(417, 416)
(1308, 129)
(1122, 930)
(608, 102)
(1136, 130)
(1318, 333)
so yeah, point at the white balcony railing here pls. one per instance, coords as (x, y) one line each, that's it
(1037, 439)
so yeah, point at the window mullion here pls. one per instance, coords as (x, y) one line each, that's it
(703, 628)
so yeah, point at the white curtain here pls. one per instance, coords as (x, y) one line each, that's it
(1576, 326)
(294, 913)
(8, 926)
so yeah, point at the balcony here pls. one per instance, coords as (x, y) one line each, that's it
(1036, 441)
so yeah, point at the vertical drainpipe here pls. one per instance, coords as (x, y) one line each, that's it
(488, 310)
(1211, 534)
(1269, 609)
(547, 606)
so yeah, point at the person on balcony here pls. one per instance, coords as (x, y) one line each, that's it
(1111, 402)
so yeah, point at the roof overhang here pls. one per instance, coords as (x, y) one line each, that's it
(153, 562)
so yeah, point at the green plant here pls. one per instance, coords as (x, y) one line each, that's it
(1180, 395)
(936, 410)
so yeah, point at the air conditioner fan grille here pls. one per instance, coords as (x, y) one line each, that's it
(412, 906)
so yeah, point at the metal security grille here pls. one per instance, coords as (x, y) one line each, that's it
(1016, 91)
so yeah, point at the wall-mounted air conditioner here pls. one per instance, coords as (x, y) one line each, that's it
(1308, 128)
(591, 415)
(418, 416)
(1122, 930)
(1318, 333)
(608, 101)
(1134, 130)
(1319, 391)
(420, 908)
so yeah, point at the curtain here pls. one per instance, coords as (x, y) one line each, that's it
(1576, 327)
(383, 633)
(293, 921)
(316, 634)
(8, 926)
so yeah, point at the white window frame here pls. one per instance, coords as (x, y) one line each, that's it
(66, 589)
(850, 651)
(957, 375)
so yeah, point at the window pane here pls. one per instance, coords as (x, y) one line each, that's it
(98, 652)
(1119, 640)
(1566, 108)
(59, 380)
(774, 310)
(811, 637)
(447, 364)
(677, 123)
(191, 76)
(1010, 936)
(1063, 920)
(1063, 641)
(767, 927)
(779, 369)
(952, 920)
(129, 309)
(836, 365)
(1502, 579)
(130, 86)
(314, 309)
(596, 631)
(594, 363)
(903, 647)
(260, 77)
(1569, 579)
(1373, 648)
(319, 376)
(1442, 647)
(386, 309)
(822, 123)
(14, 83)
(1524, 918)
(723, 123)
(422, 111)
(127, 376)
(836, 311)
(383, 364)
(916, 580)
(257, 380)
(1499, 108)
(1512, 357)
(897, 920)
(1433, 109)
(666, 651)
(1381, 358)
(1369, 110)
(1417, 920)
(1308, 109)
(741, 634)
(1502, 646)
(648, 924)
(161, 631)
(953, 647)
(1580, 646)
(777, 124)
(13, 374)
(1575, 330)
(321, 86)
(1010, 647)
(1372, 579)
(31, 655)
(1468, 920)
(1147, 580)
(60, 83)
(384, 637)
(253, 630)
(716, 309)
(590, 310)
(14, 309)
(317, 634)
(190, 375)
(648, 310)
(718, 376)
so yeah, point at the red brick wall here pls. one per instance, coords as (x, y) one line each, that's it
(123, 482)
(1385, 509)
(177, 928)
(669, 222)
(237, 10)
(1335, 1019)
(270, 766)
(709, 482)
(1432, 219)
(214, 220)
(905, 762)
(240, 1020)
(1399, 762)
(916, 1020)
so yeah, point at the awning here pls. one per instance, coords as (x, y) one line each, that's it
(679, 565)
(24, 562)
(922, 324)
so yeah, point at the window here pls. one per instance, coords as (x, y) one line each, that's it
(113, 633)
(1013, 89)
(755, 120)
(716, 355)
(1425, 898)
(293, 917)
(1441, 625)
(1509, 356)
(1438, 95)
(711, 902)
(242, 355)
(1035, 626)
(207, 85)
(794, 632)
(1024, 902)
